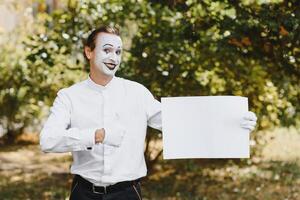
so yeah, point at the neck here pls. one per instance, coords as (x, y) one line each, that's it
(98, 77)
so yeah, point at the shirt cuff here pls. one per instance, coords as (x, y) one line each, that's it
(88, 138)
(113, 136)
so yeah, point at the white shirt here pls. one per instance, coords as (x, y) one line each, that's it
(123, 108)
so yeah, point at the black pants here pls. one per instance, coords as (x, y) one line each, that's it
(79, 191)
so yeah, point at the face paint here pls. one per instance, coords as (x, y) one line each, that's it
(108, 53)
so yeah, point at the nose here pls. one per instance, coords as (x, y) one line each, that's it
(113, 57)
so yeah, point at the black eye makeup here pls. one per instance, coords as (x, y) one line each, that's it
(118, 52)
(106, 50)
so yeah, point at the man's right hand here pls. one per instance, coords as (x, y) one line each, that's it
(99, 135)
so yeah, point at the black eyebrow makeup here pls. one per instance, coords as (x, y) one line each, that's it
(108, 44)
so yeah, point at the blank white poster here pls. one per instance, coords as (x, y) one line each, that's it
(204, 127)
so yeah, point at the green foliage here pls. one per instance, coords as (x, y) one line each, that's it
(223, 48)
(191, 48)
(19, 97)
(175, 48)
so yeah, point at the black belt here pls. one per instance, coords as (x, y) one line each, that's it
(105, 189)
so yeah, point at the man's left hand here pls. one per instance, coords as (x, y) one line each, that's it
(249, 121)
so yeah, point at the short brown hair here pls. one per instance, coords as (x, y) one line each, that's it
(90, 41)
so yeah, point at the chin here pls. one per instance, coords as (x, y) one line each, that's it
(109, 72)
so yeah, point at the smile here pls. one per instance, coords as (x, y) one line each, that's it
(110, 66)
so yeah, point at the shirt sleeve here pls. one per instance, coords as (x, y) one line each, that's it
(114, 134)
(57, 136)
(153, 110)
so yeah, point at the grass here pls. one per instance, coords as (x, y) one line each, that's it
(26, 173)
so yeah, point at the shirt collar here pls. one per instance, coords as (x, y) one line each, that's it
(98, 87)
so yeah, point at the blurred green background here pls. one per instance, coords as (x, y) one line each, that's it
(175, 48)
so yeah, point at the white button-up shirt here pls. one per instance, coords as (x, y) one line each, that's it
(123, 108)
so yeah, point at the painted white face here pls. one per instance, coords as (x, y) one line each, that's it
(108, 53)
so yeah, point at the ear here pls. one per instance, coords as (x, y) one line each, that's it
(88, 52)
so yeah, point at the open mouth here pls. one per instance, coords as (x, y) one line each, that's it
(110, 66)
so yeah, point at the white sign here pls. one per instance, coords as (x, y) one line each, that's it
(204, 127)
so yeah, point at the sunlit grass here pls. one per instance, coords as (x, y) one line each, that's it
(26, 173)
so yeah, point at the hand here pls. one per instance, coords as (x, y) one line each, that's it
(99, 135)
(249, 121)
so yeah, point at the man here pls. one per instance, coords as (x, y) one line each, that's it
(103, 122)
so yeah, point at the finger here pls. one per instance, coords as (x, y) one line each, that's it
(248, 127)
(248, 123)
(250, 116)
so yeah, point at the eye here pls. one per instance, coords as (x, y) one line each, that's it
(106, 50)
(118, 52)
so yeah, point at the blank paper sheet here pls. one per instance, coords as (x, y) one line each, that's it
(204, 127)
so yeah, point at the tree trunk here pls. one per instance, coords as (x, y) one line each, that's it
(11, 135)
